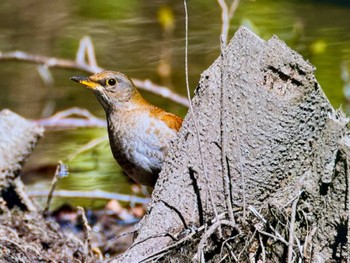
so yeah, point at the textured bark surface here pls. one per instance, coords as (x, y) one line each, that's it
(25, 235)
(18, 138)
(266, 127)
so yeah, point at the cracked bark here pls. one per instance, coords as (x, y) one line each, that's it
(282, 135)
(18, 138)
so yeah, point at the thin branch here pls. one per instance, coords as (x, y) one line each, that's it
(229, 248)
(194, 119)
(225, 20)
(277, 236)
(308, 242)
(209, 233)
(69, 123)
(247, 243)
(61, 171)
(189, 237)
(52, 62)
(291, 230)
(62, 120)
(226, 16)
(233, 8)
(223, 135)
(73, 111)
(263, 250)
(87, 234)
(86, 48)
(96, 194)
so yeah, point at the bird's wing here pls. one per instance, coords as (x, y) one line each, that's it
(173, 121)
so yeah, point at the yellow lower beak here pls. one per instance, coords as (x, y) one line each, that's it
(85, 81)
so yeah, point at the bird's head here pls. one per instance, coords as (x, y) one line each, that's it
(112, 89)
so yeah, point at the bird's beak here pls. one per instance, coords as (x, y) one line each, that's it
(85, 81)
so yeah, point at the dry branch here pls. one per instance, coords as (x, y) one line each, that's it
(203, 165)
(65, 120)
(87, 234)
(61, 171)
(96, 194)
(85, 61)
(227, 14)
(52, 62)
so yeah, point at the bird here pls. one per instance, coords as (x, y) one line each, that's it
(139, 132)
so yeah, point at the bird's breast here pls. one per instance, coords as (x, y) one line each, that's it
(139, 143)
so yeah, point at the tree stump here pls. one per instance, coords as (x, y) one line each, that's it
(18, 137)
(259, 172)
(25, 235)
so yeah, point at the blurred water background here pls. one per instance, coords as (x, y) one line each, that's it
(145, 40)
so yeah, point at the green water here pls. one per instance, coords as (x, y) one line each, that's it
(129, 37)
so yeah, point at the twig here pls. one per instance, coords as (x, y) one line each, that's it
(52, 62)
(225, 243)
(260, 216)
(226, 16)
(308, 240)
(223, 135)
(247, 243)
(61, 171)
(73, 111)
(96, 194)
(86, 48)
(70, 123)
(263, 251)
(87, 234)
(223, 258)
(231, 251)
(291, 230)
(209, 233)
(194, 119)
(63, 120)
(257, 214)
(276, 237)
(181, 241)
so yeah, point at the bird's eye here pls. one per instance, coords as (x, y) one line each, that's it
(111, 82)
